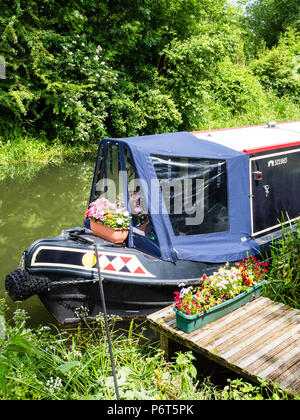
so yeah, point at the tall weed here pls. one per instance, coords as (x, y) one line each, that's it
(284, 275)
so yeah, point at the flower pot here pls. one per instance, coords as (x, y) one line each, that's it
(189, 323)
(115, 236)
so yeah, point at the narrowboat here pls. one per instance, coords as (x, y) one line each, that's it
(197, 200)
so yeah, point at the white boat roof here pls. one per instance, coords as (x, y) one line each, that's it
(255, 138)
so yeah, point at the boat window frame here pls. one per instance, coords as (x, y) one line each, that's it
(149, 234)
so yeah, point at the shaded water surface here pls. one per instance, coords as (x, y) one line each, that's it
(38, 202)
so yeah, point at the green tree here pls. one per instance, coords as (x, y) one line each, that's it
(268, 19)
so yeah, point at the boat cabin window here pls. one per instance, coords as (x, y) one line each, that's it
(194, 193)
(109, 180)
(99, 181)
(138, 207)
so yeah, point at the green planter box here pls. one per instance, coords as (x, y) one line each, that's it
(189, 323)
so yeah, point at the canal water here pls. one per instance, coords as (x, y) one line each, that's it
(38, 201)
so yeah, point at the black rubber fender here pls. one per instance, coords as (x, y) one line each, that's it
(21, 285)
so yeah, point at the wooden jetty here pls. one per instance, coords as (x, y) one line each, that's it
(259, 340)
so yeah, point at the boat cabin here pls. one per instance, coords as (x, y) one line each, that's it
(203, 196)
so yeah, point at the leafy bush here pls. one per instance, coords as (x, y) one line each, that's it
(62, 89)
(70, 67)
(278, 69)
(190, 67)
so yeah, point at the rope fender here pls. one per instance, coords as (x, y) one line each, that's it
(20, 285)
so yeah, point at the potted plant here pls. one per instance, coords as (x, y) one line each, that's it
(107, 220)
(226, 290)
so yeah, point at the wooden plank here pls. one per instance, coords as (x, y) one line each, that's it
(261, 359)
(226, 323)
(161, 313)
(295, 385)
(243, 329)
(258, 340)
(260, 332)
(284, 369)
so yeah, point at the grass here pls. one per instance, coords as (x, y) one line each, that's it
(283, 283)
(18, 146)
(53, 364)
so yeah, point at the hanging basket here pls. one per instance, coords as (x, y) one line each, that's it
(115, 236)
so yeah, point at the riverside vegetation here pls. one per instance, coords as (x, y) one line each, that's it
(48, 363)
(82, 70)
(44, 364)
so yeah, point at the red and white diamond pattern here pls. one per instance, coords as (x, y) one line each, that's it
(113, 263)
(128, 265)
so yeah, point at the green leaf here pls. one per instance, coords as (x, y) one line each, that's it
(3, 369)
(66, 367)
(20, 344)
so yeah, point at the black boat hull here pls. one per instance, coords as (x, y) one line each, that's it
(135, 284)
(73, 299)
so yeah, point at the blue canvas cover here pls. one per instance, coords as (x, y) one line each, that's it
(217, 247)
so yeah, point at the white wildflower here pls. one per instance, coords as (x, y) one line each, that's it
(54, 385)
(45, 328)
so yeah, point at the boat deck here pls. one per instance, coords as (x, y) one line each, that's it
(259, 340)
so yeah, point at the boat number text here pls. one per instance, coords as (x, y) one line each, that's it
(276, 162)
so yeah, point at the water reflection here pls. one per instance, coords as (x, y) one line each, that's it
(39, 202)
